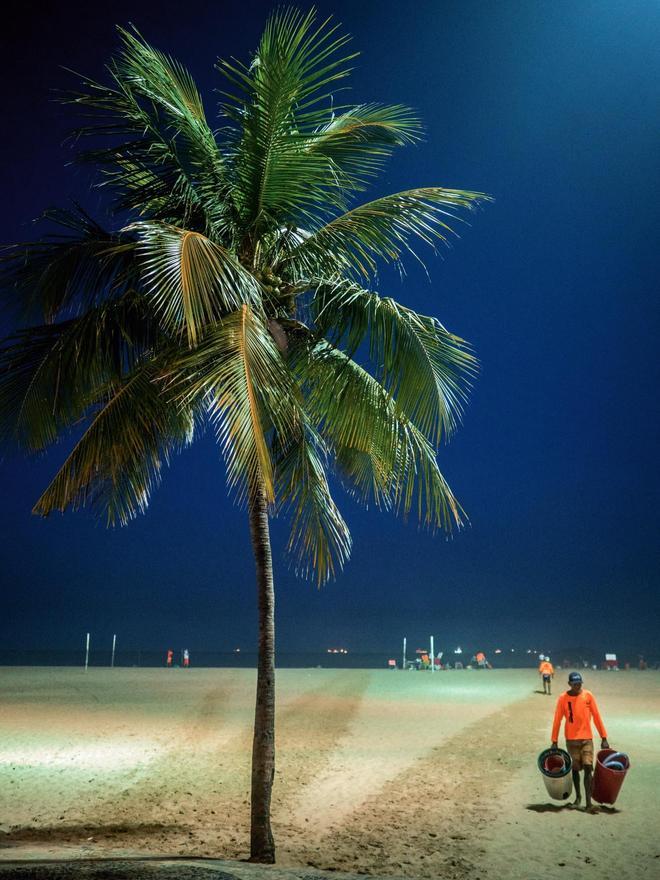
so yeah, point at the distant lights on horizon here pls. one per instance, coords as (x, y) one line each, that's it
(337, 650)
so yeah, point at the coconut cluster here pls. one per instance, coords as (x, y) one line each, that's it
(277, 290)
(271, 283)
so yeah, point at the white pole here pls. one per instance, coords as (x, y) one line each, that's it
(404, 653)
(432, 656)
(114, 644)
(87, 653)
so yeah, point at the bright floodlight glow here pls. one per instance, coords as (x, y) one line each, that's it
(115, 755)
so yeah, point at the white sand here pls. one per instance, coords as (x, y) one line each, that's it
(430, 776)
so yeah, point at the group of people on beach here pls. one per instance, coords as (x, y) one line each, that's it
(185, 658)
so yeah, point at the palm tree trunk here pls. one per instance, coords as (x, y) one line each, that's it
(262, 844)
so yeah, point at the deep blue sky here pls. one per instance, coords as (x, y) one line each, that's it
(553, 109)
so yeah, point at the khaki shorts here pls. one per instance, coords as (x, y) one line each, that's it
(581, 752)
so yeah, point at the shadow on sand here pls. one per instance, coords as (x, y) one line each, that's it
(546, 808)
(558, 808)
(57, 833)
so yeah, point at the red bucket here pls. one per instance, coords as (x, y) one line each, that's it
(607, 780)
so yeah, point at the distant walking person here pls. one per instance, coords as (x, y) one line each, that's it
(547, 673)
(186, 658)
(577, 707)
(170, 657)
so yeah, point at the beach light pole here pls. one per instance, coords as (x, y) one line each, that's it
(87, 653)
(403, 665)
(432, 656)
(114, 645)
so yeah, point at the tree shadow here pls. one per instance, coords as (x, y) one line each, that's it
(82, 832)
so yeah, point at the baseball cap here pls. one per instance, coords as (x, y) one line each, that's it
(574, 677)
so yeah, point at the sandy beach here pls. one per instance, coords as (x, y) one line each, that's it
(393, 773)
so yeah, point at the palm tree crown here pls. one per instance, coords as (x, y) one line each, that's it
(238, 293)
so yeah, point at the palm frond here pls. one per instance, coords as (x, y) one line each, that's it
(382, 455)
(277, 103)
(238, 371)
(381, 229)
(117, 463)
(192, 281)
(65, 272)
(320, 541)
(171, 167)
(358, 141)
(426, 368)
(51, 374)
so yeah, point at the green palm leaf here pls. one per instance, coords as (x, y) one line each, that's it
(358, 141)
(171, 167)
(238, 372)
(192, 281)
(382, 229)
(68, 271)
(420, 363)
(381, 453)
(118, 461)
(277, 104)
(50, 375)
(320, 541)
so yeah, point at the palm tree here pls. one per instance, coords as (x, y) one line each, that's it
(234, 290)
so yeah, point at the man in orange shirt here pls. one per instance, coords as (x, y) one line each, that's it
(577, 707)
(547, 673)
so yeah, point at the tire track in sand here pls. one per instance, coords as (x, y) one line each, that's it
(432, 819)
(310, 725)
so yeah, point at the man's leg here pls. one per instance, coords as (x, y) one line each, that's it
(588, 782)
(576, 785)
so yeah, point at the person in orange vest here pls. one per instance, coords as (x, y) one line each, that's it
(170, 657)
(547, 672)
(577, 708)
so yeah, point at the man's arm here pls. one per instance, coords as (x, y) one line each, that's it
(556, 723)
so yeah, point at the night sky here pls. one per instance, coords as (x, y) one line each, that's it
(553, 109)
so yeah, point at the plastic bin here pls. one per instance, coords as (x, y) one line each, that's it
(555, 766)
(608, 779)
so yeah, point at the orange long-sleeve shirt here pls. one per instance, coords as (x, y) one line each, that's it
(578, 713)
(546, 668)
